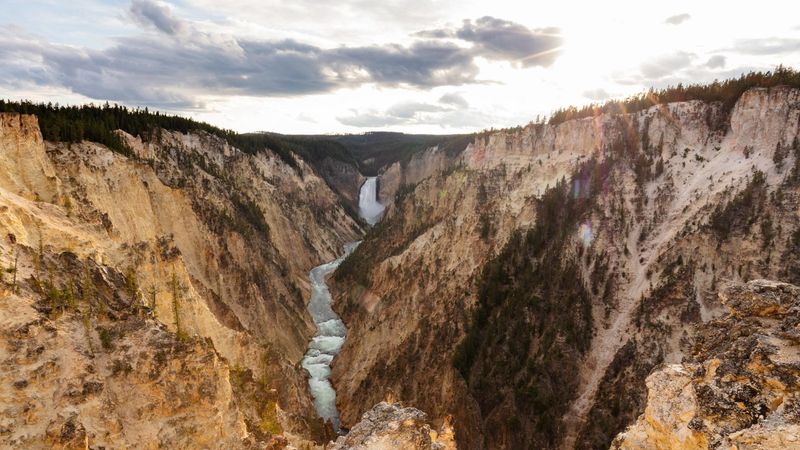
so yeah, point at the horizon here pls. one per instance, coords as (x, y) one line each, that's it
(417, 67)
(540, 119)
(594, 108)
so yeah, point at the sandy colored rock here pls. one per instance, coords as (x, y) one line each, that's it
(390, 426)
(206, 242)
(739, 391)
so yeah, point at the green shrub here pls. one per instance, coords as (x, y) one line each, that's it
(107, 338)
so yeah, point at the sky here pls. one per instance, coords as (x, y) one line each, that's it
(351, 66)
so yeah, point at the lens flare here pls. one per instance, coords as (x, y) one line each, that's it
(586, 234)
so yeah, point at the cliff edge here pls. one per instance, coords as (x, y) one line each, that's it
(739, 389)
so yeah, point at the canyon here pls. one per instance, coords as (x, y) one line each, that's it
(464, 303)
(126, 269)
(585, 283)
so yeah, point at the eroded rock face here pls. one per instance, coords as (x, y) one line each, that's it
(649, 251)
(343, 178)
(214, 244)
(390, 426)
(422, 165)
(740, 388)
(86, 367)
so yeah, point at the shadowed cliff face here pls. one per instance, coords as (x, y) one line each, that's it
(213, 245)
(557, 265)
(343, 178)
(402, 174)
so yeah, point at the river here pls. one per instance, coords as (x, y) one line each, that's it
(331, 331)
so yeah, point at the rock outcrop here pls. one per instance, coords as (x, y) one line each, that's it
(70, 380)
(739, 389)
(390, 426)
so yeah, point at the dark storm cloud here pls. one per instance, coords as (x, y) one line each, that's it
(424, 64)
(147, 12)
(500, 39)
(246, 68)
(168, 72)
(677, 19)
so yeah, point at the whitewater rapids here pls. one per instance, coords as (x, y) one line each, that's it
(327, 342)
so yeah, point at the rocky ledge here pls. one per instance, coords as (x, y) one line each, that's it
(739, 390)
(389, 426)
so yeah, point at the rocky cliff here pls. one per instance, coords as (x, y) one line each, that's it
(408, 173)
(390, 426)
(149, 282)
(530, 290)
(738, 388)
(343, 178)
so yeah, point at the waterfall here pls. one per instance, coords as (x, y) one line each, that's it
(369, 207)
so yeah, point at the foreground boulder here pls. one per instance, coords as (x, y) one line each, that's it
(389, 426)
(740, 389)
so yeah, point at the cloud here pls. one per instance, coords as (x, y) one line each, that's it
(400, 113)
(454, 99)
(716, 62)
(370, 120)
(147, 12)
(416, 113)
(347, 20)
(147, 69)
(769, 46)
(410, 110)
(677, 19)
(423, 64)
(696, 73)
(500, 39)
(596, 94)
(665, 65)
(170, 73)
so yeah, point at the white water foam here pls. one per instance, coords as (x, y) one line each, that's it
(326, 343)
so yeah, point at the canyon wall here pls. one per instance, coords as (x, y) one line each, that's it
(343, 178)
(173, 274)
(408, 173)
(529, 290)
